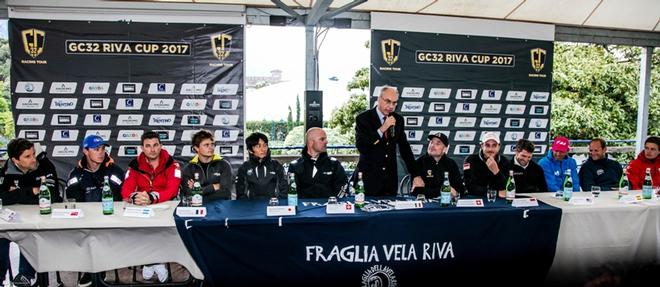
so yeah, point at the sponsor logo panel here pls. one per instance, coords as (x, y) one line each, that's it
(96, 88)
(161, 120)
(96, 104)
(412, 92)
(466, 94)
(161, 88)
(63, 87)
(130, 104)
(97, 119)
(515, 96)
(414, 135)
(65, 151)
(439, 93)
(104, 134)
(193, 104)
(30, 103)
(193, 89)
(161, 104)
(63, 103)
(129, 135)
(465, 108)
(225, 89)
(491, 95)
(225, 120)
(29, 87)
(128, 88)
(65, 135)
(439, 107)
(412, 107)
(413, 121)
(32, 135)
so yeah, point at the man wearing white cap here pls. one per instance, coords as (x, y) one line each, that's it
(486, 168)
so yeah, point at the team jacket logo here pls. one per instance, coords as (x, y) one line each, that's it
(218, 43)
(390, 49)
(33, 41)
(538, 59)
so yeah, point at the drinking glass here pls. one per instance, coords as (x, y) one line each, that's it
(0, 203)
(491, 194)
(70, 203)
(595, 190)
(274, 201)
(332, 200)
(421, 197)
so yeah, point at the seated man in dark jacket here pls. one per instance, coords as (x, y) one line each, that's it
(19, 184)
(433, 166)
(486, 168)
(599, 170)
(213, 171)
(85, 182)
(527, 173)
(317, 175)
(260, 176)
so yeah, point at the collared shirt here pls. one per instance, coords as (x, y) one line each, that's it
(381, 117)
(515, 161)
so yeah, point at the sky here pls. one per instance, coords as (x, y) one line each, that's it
(267, 48)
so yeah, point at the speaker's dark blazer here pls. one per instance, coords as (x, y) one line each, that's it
(378, 155)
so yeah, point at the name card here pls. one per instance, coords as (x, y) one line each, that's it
(340, 208)
(7, 214)
(184, 211)
(284, 210)
(631, 198)
(524, 202)
(67, 213)
(415, 204)
(580, 200)
(470, 203)
(135, 211)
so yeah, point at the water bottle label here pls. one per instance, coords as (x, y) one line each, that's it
(197, 200)
(292, 200)
(510, 195)
(108, 205)
(359, 198)
(44, 203)
(568, 193)
(647, 192)
(445, 197)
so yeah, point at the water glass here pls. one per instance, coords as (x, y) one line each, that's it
(491, 194)
(186, 201)
(421, 197)
(70, 203)
(332, 200)
(274, 201)
(595, 190)
(0, 203)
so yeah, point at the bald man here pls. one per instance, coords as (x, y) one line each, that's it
(317, 174)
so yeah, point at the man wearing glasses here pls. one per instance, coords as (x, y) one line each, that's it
(213, 171)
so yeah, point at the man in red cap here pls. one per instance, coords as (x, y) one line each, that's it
(555, 164)
(648, 158)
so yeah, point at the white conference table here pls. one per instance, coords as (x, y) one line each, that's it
(97, 242)
(607, 232)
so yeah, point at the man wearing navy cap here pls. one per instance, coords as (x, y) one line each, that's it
(433, 166)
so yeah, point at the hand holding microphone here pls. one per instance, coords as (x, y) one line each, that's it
(388, 126)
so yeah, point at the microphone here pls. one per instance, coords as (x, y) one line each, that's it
(390, 130)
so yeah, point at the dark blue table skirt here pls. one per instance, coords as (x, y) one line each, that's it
(237, 245)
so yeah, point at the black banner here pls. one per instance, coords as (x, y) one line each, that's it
(465, 85)
(119, 79)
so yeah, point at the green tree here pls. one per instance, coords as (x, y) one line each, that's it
(289, 119)
(360, 80)
(297, 109)
(343, 117)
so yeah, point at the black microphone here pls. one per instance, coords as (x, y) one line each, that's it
(390, 130)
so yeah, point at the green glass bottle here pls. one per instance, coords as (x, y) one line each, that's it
(568, 185)
(197, 197)
(292, 196)
(44, 198)
(107, 201)
(624, 184)
(510, 188)
(359, 192)
(647, 188)
(445, 192)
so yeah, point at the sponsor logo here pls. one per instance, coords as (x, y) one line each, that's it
(515, 109)
(416, 148)
(65, 151)
(97, 119)
(438, 121)
(63, 103)
(104, 134)
(129, 120)
(465, 135)
(390, 49)
(63, 87)
(30, 119)
(225, 120)
(513, 136)
(436, 107)
(96, 104)
(437, 93)
(221, 45)
(538, 59)
(540, 97)
(34, 41)
(538, 110)
(161, 88)
(33, 135)
(129, 135)
(226, 135)
(161, 104)
(463, 94)
(516, 96)
(414, 121)
(29, 87)
(65, 135)
(463, 149)
(491, 95)
(129, 104)
(509, 149)
(465, 122)
(491, 108)
(414, 135)
(128, 88)
(412, 107)
(161, 120)
(409, 92)
(128, 151)
(165, 135)
(193, 104)
(538, 123)
(514, 123)
(490, 122)
(539, 149)
(96, 88)
(29, 103)
(225, 104)
(64, 119)
(225, 89)
(537, 136)
(466, 108)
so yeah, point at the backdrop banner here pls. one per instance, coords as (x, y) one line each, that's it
(70, 79)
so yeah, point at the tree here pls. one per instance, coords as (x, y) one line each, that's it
(297, 109)
(360, 80)
(289, 119)
(343, 117)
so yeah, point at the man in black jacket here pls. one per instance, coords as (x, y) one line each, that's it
(378, 134)
(19, 184)
(317, 174)
(486, 168)
(599, 170)
(433, 166)
(527, 173)
(213, 171)
(85, 183)
(260, 176)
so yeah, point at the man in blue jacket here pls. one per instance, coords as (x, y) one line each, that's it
(599, 170)
(555, 164)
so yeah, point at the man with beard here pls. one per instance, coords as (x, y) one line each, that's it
(486, 169)
(528, 174)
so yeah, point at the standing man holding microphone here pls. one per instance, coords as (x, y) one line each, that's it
(378, 133)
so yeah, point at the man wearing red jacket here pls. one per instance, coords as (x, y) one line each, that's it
(648, 158)
(153, 176)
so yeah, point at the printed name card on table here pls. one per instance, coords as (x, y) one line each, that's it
(184, 211)
(340, 208)
(137, 211)
(470, 203)
(399, 204)
(67, 213)
(631, 198)
(581, 200)
(283, 210)
(7, 214)
(524, 202)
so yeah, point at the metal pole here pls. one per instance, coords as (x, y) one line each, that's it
(643, 97)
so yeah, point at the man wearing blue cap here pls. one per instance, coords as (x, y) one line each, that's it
(85, 183)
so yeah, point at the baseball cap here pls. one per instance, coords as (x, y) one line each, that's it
(560, 144)
(490, 136)
(442, 137)
(94, 141)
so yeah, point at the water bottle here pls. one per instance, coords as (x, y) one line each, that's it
(197, 198)
(44, 197)
(292, 196)
(359, 192)
(445, 192)
(647, 188)
(510, 188)
(568, 185)
(624, 184)
(107, 201)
